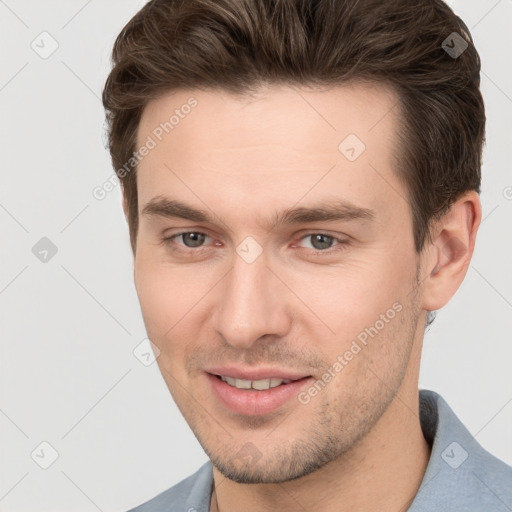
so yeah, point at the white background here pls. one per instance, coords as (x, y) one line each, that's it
(69, 326)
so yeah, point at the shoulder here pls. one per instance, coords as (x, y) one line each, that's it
(461, 474)
(190, 495)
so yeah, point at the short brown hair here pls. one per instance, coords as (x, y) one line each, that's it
(238, 45)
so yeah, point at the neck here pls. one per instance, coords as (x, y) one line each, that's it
(383, 471)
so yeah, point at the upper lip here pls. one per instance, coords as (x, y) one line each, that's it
(256, 373)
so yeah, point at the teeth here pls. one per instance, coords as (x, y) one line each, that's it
(263, 384)
(259, 385)
(243, 384)
(278, 382)
(229, 380)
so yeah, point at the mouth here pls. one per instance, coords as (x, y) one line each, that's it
(256, 396)
(258, 385)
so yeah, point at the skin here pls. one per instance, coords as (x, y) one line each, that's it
(357, 444)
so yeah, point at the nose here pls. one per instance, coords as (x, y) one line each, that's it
(253, 303)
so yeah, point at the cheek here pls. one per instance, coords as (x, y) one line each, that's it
(366, 306)
(173, 305)
(162, 293)
(348, 298)
(371, 354)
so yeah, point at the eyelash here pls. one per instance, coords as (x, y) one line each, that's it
(340, 245)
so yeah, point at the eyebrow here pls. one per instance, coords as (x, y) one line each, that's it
(325, 211)
(160, 206)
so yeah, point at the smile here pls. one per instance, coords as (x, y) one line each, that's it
(258, 385)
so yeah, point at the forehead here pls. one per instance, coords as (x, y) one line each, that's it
(276, 146)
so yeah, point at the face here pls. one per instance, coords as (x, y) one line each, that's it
(276, 270)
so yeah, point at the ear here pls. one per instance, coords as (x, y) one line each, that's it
(448, 256)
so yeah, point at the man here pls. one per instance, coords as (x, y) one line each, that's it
(301, 183)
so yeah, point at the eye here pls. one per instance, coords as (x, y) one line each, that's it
(321, 241)
(190, 239)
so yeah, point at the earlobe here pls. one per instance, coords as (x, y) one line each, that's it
(450, 251)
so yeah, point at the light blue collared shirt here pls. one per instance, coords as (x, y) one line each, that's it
(460, 476)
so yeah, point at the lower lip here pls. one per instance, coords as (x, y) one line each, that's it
(251, 402)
